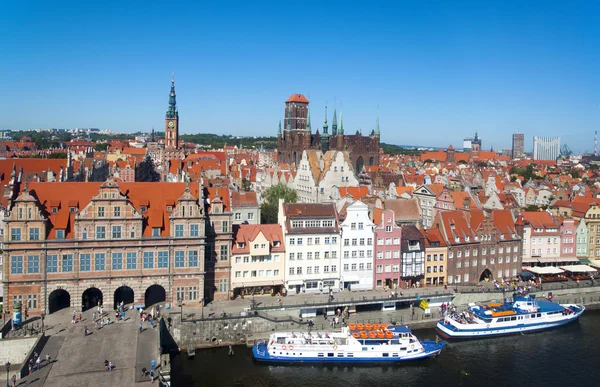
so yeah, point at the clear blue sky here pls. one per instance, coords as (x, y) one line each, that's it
(439, 71)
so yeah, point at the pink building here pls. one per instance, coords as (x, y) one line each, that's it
(387, 251)
(568, 243)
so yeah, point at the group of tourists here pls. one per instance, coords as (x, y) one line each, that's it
(36, 362)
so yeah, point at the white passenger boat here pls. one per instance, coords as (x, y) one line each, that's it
(525, 314)
(355, 343)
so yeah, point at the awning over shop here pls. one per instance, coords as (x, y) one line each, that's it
(544, 270)
(550, 260)
(526, 274)
(594, 263)
(578, 269)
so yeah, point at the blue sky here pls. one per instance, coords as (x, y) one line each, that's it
(438, 70)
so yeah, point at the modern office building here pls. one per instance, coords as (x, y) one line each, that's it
(546, 148)
(518, 145)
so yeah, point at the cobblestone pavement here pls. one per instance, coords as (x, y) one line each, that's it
(79, 360)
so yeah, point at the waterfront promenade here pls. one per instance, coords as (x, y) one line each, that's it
(78, 360)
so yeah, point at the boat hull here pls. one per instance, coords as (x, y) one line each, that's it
(431, 349)
(444, 331)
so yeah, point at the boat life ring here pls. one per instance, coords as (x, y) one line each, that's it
(335, 346)
(291, 347)
(283, 346)
(412, 346)
(487, 326)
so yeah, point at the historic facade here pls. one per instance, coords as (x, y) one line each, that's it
(81, 244)
(172, 120)
(297, 136)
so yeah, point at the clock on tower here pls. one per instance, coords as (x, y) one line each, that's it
(172, 120)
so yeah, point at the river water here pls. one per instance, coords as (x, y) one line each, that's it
(561, 357)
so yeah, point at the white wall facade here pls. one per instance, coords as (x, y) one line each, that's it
(357, 248)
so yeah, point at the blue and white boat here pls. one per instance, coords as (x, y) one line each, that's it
(348, 345)
(525, 314)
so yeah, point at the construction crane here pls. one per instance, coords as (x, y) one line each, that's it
(565, 151)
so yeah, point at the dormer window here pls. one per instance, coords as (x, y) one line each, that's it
(54, 210)
(72, 210)
(143, 208)
(276, 243)
(60, 234)
(156, 232)
(241, 245)
(169, 208)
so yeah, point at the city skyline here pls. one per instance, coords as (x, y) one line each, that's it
(435, 72)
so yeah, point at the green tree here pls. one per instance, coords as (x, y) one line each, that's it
(102, 147)
(269, 209)
(246, 185)
(575, 174)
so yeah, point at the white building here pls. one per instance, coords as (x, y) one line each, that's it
(319, 174)
(357, 237)
(312, 258)
(546, 148)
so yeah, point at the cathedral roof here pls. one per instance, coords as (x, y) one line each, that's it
(297, 98)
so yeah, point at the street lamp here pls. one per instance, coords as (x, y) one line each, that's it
(7, 372)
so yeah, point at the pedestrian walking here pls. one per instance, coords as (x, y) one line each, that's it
(144, 372)
(85, 332)
(38, 362)
(94, 316)
(140, 327)
(14, 381)
(47, 358)
(73, 318)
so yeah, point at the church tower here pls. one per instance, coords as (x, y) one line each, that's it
(172, 120)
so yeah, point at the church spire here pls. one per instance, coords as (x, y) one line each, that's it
(334, 122)
(172, 109)
(279, 131)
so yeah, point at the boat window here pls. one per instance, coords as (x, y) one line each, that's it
(349, 355)
(281, 340)
(513, 319)
(394, 354)
(403, 348)
(539, 315)
(533, 315)
(319, 355)
(365, 349)
(330, 354)
(386, 354)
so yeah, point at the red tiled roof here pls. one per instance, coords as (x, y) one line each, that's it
(297, 98)
(244, 199)
(153, 195)
(247, 233)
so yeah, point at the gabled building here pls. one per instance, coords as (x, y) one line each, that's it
(357, 233)
(257, 260)
(436, 252)
(426, 198)
(80, 244)
(412, 247)
(387, 251)
(219, 238)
